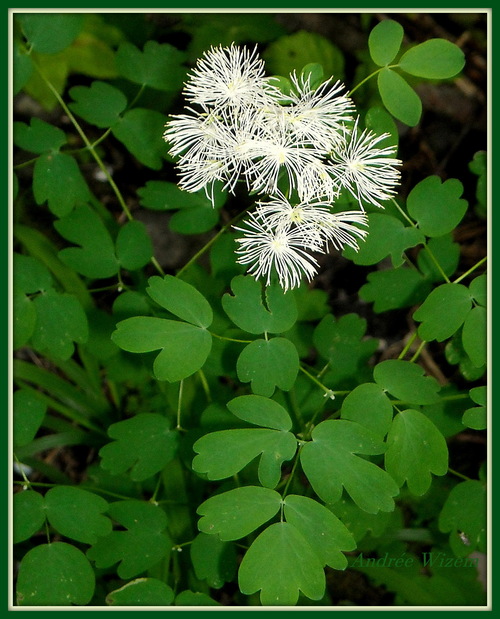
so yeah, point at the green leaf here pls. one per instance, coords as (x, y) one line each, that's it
(56, 574)
(61, 321)
(143, 544)
(213, 560)
(359, 522)
(313, 71)
(22, 66)
(261, 412)
(384, 41)
(49, 33)
(192, 598)
(58, 181)
(184, 347)
(399, 97)
(342, 343)
(95, 258)
(28, 414)
(158, 66)
(134, 247)
(294, 51)
(29, 274)
(225, 453)
(324, 532)
(268, 364)
(234, 514)
(478, 289)
(195, 220)
(144, 444)
(140, 131)
(456, 355)
(446, 253)
(394, 288)
(474, 338)
(246, 308)
(433, 59)
(388, 237)
(415, 449)
(406, 381)
(180, 298)
(380, 122)
(99, 104)
(476, 417)
(166, 196)
(77, 514)
(464, 517)
(39, 137)
(280, 563)
(24, 319)
(368, 405)
(422, 200)
(28, 515)
(141, 592)
(329, 462)
(452, 301)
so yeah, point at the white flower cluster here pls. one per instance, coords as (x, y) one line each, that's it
(301, 150)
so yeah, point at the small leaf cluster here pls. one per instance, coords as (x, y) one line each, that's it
(188, 436)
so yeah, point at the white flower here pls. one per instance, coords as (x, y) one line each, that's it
(228, 75)
(318, 114)
(281, 151)
(316, 221)
(279, 249)
(368, 172)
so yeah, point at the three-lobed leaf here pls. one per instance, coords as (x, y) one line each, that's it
(225, 453)
(415, 449)
(406, 381)
(99, 104)
(330, 463)
(260, 411)
(184, 347)
(181, 299)
(246, 309)
(324, 532)
(268, 364)
(422, 200)
(143, 544)
(213, 559)
(144, 445)
(443, 312)
(234, 514)
(279, 564)
(388, 237)
(369, 406)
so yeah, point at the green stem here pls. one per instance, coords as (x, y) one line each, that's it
(413, 337)
(97, 158)
(349, 94)
(472, 269)
(418, 351)
(209, 244)
(328, 392)
(292, 472)
(438, 266)
(179, 406)
(229, 339)
(453, 472)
